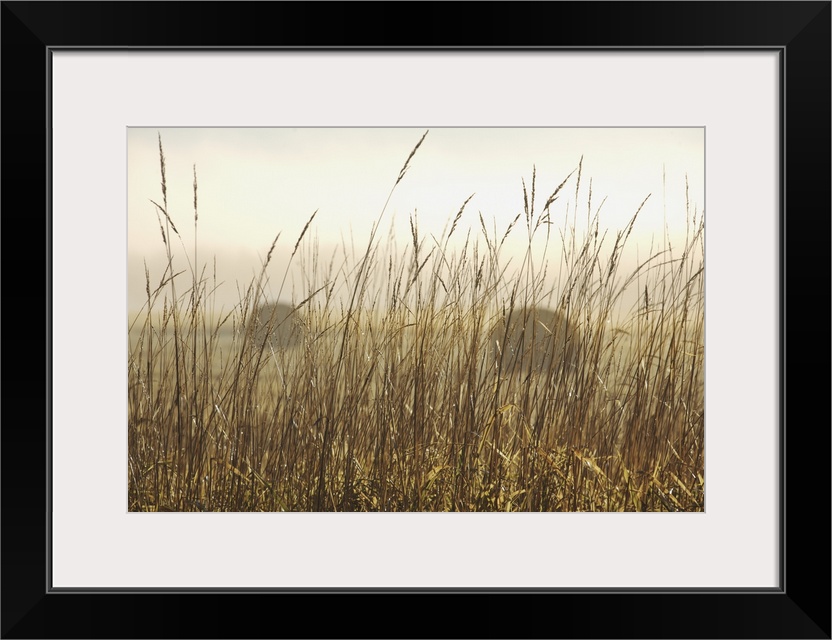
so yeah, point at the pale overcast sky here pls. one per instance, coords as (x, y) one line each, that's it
(254, 183)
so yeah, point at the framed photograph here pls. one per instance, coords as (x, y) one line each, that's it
(386, 332)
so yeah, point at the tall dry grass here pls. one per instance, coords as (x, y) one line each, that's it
(426, 379)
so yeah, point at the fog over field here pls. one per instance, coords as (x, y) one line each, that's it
(256, 183)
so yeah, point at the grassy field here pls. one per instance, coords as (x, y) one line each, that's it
(431, 379)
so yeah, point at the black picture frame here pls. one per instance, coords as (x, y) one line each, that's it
(799, 31)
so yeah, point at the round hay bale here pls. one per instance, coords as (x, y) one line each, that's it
(279, 324)
(534, 339)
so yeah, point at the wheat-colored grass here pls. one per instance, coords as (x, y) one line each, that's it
(436, 381)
